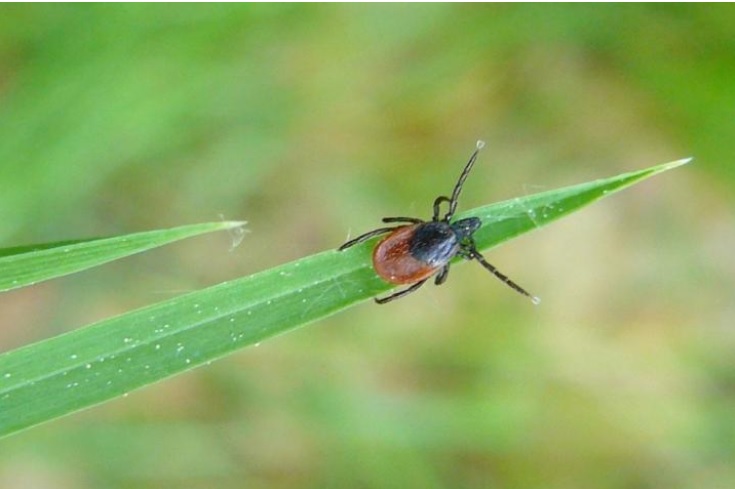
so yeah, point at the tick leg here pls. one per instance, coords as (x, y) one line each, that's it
(413, 220)
(504, 278)
(401, 293)
(442, 276)
(437, 203)
(366, 236)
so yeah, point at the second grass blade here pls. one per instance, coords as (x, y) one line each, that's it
(27, 265)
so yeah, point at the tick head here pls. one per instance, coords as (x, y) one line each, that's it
(465, 228)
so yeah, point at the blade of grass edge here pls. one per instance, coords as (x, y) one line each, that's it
(28, 265)
(505, 220)
(85, 367)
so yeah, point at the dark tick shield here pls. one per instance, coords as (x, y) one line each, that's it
(414, 251)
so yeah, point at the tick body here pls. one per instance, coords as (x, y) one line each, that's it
(417, 251)
(414, 251)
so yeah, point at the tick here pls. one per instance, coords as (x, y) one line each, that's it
(413, 252)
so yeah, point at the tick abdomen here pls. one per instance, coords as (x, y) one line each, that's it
(397, 258)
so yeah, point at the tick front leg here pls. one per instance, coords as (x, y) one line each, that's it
(437, 204)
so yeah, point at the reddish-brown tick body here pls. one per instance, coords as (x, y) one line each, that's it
(393, 261)
(415, 252)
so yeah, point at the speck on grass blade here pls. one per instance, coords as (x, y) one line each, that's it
(90, 365)
(27, 265)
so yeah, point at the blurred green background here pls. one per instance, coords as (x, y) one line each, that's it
(312, 122)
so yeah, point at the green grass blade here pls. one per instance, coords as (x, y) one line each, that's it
(67, 373)
(27, 265)
(505, 220)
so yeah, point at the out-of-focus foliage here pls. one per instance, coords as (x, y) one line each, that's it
(310, 121)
